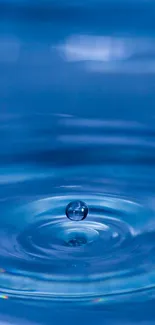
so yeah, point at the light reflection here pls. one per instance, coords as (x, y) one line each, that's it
(105, 48)
(109, 54)
(94, 48)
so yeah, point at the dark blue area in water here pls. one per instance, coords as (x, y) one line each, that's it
(77, 115)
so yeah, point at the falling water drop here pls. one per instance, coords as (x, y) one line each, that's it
(76, 210)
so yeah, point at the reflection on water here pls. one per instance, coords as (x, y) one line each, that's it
(77, 120)
(112, 54)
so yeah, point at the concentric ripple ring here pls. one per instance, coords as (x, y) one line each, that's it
(41, 258)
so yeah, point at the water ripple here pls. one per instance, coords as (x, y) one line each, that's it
(115, 258)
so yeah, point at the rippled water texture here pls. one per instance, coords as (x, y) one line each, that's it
(77, 115)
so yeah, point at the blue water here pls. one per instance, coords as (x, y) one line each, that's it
(77, 115)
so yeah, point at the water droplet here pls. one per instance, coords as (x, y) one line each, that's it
(76, 211)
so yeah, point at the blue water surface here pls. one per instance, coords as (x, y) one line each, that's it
(77, 115)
